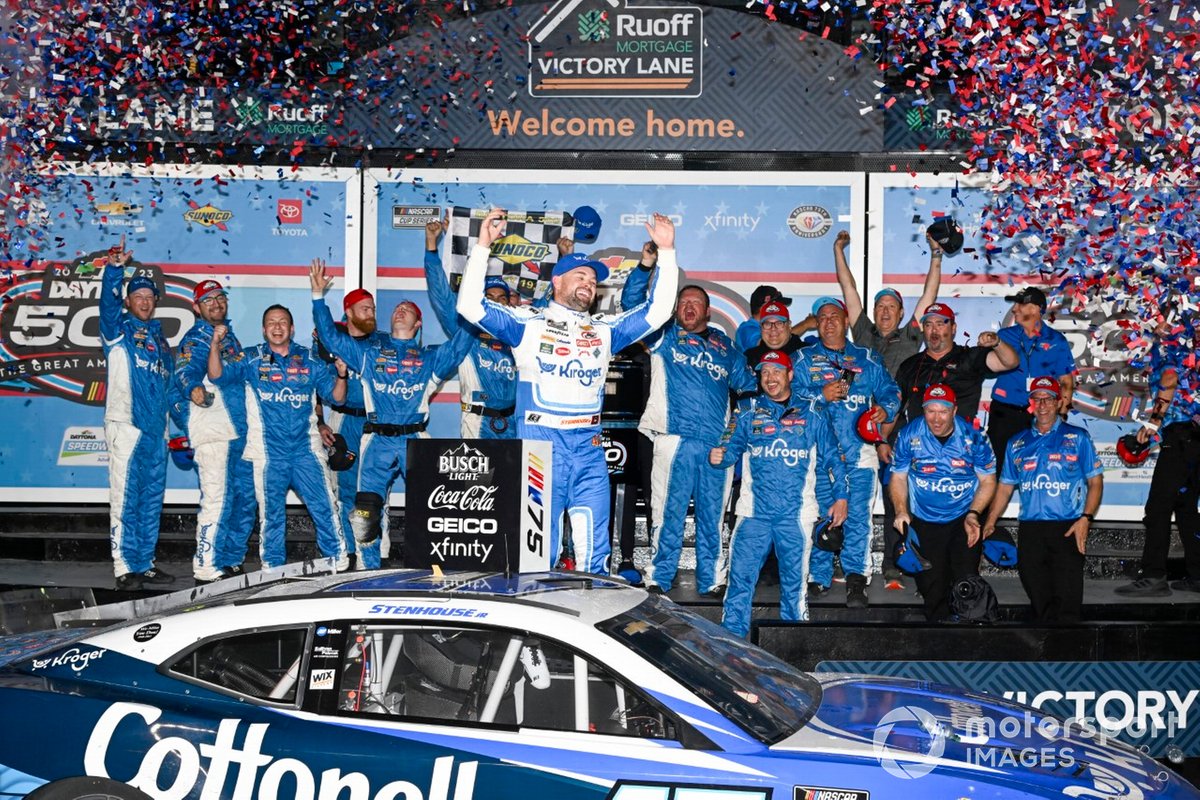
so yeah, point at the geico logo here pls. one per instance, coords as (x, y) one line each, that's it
(460, 525)
(285, 396)
(1044, 483)
(173, 765)
(642, 219)
(402, 389)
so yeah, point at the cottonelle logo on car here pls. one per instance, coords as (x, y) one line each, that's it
(50, 326)
(600, 48)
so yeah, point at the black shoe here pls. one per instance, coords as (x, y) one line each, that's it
(1145, 587)
(129, 582)
(157, 576)
(816, 590)
(654, 588)
(715, 594)
(856, 591)
(1186, 585)
(229, 572)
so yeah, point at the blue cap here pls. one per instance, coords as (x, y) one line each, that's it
(1000, 549)
(575, 260)
(496, 282)
(825, 301)
(140, 282)
(888, 292)
(908, 556)
(587, 224)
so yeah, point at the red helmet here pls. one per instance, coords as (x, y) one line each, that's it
(868, 429)
(1131, 451)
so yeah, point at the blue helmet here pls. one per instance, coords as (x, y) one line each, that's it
(182, 453)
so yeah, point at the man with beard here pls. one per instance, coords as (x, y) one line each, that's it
(139, 364)
(788, 449)
(282, 381)
(487, 377)
(887, 335)
(562, 354)
(1061, 481)
(348, 419)
(398, 378)
(1042, 351)
(215, 422)
(693, 369)
(943, 477)
(846, 380)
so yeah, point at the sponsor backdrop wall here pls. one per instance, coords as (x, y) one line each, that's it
(256, 231)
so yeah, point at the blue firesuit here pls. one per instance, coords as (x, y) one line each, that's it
(815, 367)
(139, 364)
(487, 377)
(788, 451)
(284, 446)
(691, 376)
(217, 434)
(562, 364)
(397, 377)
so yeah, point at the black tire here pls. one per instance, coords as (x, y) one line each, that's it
(86, 788)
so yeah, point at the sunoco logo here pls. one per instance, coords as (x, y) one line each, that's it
(515, 249)
(810, 222)
(207, 215)
(613, 51)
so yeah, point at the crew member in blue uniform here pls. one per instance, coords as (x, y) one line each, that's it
(487, 377)
(693, 368)
(788, 449)
(846, 380)
(943, 477)
(1061, 480)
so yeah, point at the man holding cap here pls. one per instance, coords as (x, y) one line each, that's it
(887, 335)
(562, 353)
(789, 448)
(1061, 481)
(943, 476)
(1041, 351)
(214, 419)
(847, 380)
(139, 364)
(487, 377)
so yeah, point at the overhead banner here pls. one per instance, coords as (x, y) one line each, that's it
(254, 231)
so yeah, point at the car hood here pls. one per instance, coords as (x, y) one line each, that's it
(912, 728)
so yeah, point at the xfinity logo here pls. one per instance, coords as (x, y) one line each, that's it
(744, 222)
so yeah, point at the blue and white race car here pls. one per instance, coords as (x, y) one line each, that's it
(404, 685)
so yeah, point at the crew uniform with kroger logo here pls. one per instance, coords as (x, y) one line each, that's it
(139, 364)
(692, 374)
(487, 377)
(398, 378)
(284, 446)
(562, 360)
(870, 384)
(787, 450)
(939, 483)
(216, 432)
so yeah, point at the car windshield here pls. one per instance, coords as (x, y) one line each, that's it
(767, 697)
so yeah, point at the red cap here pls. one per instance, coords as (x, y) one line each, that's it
(939, 393)
(938, 310)
(356, 296)
(1045, 383)
(416, 307)
(776, 358)
(204, 289)
(778, 311)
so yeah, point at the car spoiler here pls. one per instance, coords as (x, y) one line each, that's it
(100, 616)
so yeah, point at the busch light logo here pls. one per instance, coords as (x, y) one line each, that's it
(464, 463)
(1044, 483)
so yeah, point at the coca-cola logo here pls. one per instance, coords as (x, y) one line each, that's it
(472, 498)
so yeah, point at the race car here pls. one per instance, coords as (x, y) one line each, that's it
(412, 685)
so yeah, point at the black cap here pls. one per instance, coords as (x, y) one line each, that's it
(1030, 294)
(947, 234)
(341, 457)
(765, 294)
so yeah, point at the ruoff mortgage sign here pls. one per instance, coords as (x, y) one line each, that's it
(602, 48)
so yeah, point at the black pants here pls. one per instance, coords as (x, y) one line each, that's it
(1174, 490)
(626, 540)
(1004, 422)
(891, 536)
(945, 545)
(1051, 569)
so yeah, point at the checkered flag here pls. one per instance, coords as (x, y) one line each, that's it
(524, 256)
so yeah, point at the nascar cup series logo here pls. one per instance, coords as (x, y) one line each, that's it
(893, 738)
